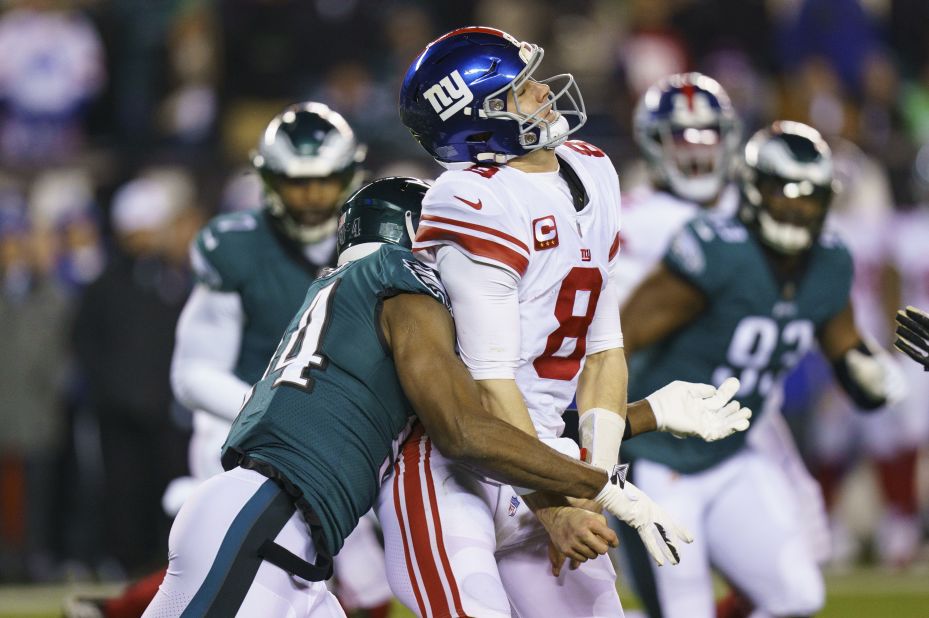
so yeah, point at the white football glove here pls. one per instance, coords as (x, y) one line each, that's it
(688, 409)
(659, 532)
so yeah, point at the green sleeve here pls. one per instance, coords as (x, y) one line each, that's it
(403, 273)
(698, 255)
(222, 252)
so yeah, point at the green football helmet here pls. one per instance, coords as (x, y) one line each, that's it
(308, 142)
(787, 185)
(384, 211)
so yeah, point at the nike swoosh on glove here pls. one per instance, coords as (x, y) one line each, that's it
(689, 409)
(658, 531)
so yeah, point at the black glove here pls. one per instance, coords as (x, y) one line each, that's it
(913, 335)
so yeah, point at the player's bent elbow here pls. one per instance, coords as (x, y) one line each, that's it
(460, 440)
(450, 443)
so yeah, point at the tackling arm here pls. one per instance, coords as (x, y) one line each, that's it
(205, 352)
(420, 334)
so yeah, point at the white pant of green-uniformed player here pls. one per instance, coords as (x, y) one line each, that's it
(746, 524)
(214, 568)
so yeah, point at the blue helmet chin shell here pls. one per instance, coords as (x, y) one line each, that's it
(454, 99)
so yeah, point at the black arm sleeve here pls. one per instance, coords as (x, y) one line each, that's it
(862, 399)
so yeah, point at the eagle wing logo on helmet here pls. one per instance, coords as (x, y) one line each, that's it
(449, 96)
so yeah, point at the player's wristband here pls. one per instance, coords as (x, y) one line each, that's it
(601, 433)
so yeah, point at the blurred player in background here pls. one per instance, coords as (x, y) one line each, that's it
(253, 269)
(745, 296)
(524, 230)
(689, 134)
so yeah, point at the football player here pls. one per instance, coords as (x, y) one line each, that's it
(746, 296)
(524, 230)
(689, 134)
(372, 344)
(253, 270)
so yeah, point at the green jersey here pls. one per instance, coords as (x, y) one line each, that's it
(245, 253)
(754, 327)
(329, 412)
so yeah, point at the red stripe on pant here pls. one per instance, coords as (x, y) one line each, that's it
(443, 555)
(398, 508)
(422, 550)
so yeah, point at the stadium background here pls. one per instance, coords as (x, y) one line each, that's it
(154, 105)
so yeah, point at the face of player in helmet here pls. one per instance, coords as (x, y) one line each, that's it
(793, 213)
(309, 201)
(533, 99)
(695, 152)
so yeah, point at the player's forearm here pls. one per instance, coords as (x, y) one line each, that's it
(640, 418)
(510, 455)
(601, 398)
(503, 400)
(603, 382)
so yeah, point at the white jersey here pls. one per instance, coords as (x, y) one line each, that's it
(860, 215)
(526, 224)
(910, 254)
(650, 219)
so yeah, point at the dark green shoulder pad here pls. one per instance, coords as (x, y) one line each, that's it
(707, 251)
(402, 273)
(221, 252)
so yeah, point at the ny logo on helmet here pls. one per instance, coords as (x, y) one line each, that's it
(449, 96)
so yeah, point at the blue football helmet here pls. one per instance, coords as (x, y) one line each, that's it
(454, 99)
(689, 133)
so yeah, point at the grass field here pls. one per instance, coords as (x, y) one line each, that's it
(861, 593)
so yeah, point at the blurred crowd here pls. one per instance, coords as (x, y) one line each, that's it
(125, 124)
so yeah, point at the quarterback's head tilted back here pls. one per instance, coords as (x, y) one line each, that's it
(689, 134)
(384, 211)
(460, 99)
(787, 185)
(310, 161)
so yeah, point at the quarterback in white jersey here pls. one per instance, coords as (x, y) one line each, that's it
(523, 233)
(558, 261)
